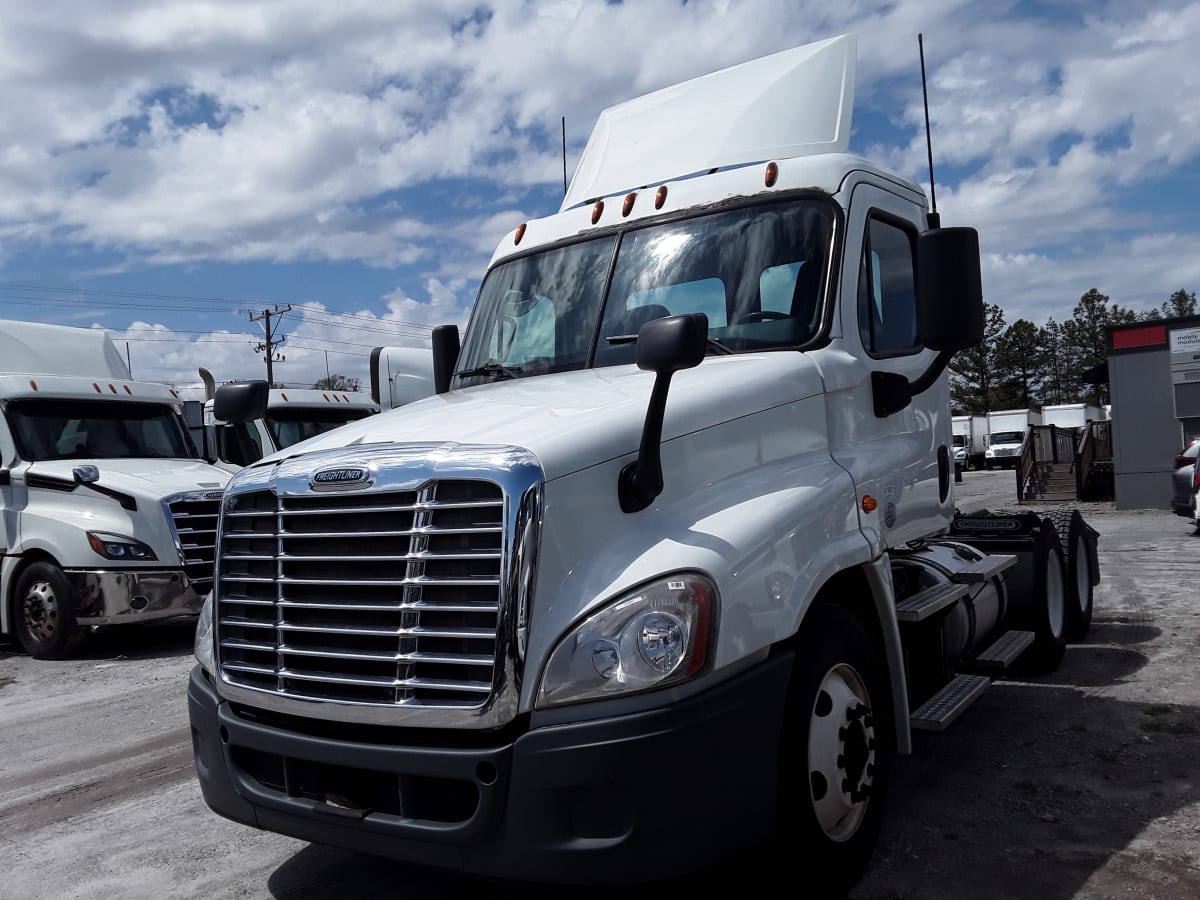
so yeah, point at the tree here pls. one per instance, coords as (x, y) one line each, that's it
(1180, 303)
(1085, 340)
(1022, 360)
(974, 371)
(337, 382)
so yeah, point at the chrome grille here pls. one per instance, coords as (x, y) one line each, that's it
(195, 521)
(371, 597)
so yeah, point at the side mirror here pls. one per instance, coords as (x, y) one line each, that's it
(664, 346)
(86, 474)
(949, 289)
(446, 347)
(241, 402)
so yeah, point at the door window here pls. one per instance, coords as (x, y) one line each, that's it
(887, 296)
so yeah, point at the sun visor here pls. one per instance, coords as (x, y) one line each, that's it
(794, 103)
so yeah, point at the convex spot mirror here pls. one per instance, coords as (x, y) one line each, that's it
(241, 402)
(949, 289)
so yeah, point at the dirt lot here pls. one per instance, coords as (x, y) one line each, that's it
(1082, 784)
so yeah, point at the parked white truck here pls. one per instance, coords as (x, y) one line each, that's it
(107, 516)
(400, 375)
(1007, 429)
(292, 415)
(670, 565)
(1072, 415)
(970, 440)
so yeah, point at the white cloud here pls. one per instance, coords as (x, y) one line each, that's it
(331, 118)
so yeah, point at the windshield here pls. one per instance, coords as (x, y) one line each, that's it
(1006, 437)
(960, 440)
(291, 426)
(96, 429)
(755, 271)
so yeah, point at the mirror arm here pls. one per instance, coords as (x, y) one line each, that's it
(642, 480)
(892, 392)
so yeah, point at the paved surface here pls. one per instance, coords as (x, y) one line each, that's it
(1082, 784)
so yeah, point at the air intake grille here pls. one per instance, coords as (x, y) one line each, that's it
(195, 522)
(374, 597)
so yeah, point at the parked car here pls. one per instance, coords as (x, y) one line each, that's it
(1183, 501)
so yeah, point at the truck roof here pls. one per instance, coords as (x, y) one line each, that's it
(291, 397)
(790, 104)
(774, 124)
(35, 348)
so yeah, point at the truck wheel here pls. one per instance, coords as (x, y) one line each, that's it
(988, 465)
(44, 613)
(1078, 573)
(1196, 510)
(1049, 613)
(832, 771)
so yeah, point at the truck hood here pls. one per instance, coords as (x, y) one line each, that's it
(145, 479)
(573, 420)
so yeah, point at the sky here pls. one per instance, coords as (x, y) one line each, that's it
(170, 169)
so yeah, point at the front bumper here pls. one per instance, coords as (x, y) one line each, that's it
(628, 799)
(133, 595)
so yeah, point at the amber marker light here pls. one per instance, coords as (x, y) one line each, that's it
(869, 504)
(283, 395)
(520, 233)
(33, 384)
(627, 206)
(127, 390)
(96, 386)
(660, 197)
(597, 211)
(772, 174)
(113, 388)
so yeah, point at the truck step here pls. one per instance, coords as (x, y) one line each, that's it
(1004, 651)
(926, 602)
(936, 713)
(988, 567)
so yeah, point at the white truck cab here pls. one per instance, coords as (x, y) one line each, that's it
(670, 563)
(107, 516)
(292, 415)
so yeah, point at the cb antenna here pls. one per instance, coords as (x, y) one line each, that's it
(564, 146)
(935, 221)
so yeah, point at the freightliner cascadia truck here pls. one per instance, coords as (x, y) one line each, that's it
(670, 565)
(107, 515)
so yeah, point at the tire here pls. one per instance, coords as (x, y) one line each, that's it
(1196, 511)
(1078, 583)
(988, 465)
(1047, 616)
(44, 613)
(833, 757)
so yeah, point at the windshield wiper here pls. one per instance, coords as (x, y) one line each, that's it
(491, 367)
(713, 344)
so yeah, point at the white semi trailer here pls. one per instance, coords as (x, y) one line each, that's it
(107, 515)
(670, 565)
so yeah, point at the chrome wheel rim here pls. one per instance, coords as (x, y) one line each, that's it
(1055, 604)
(841, 752)
(41, 611)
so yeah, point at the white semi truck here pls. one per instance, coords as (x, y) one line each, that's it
(107, 516)
(291, 415)
(670, 565)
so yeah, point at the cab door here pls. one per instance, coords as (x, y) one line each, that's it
(894, 459)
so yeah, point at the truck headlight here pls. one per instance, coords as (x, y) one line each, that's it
(654, 636)
(119, 547)
(204, 635)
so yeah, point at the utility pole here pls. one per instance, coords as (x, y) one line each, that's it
(269, 343)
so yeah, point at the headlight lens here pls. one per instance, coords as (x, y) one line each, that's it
(119, 547)
(649, 638)
(204, 635)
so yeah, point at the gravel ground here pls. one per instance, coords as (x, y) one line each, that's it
(1080, 784)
